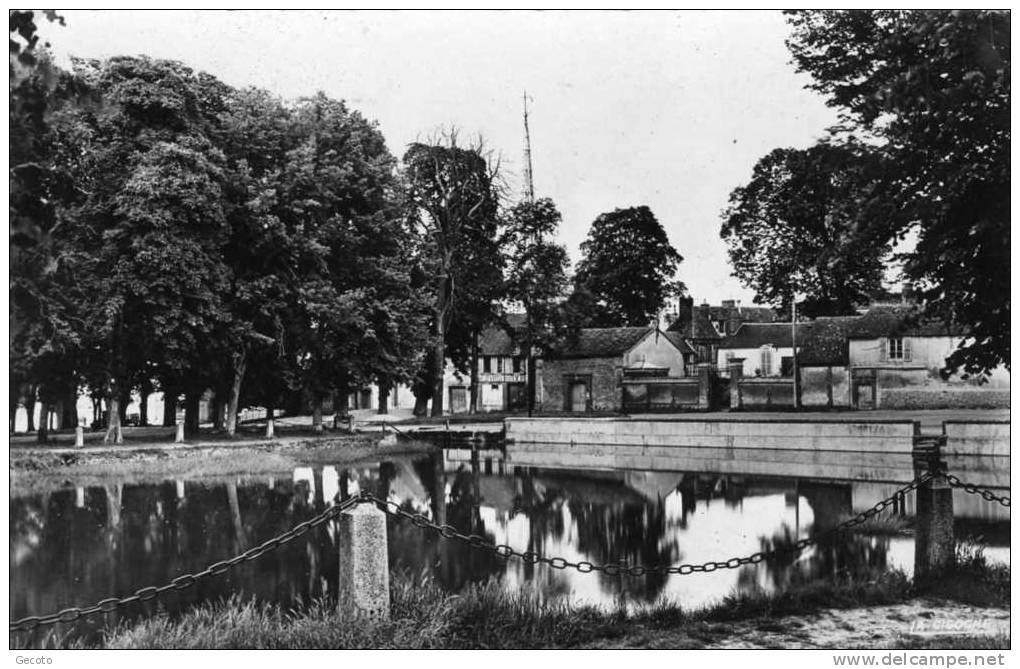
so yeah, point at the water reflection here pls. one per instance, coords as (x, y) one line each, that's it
(77, 546)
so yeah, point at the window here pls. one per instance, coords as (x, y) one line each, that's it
(499, 365)
(766, 360)
(517, 365)
(486, 364)
(896, 348)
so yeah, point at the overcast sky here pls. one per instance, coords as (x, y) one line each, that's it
(666, 109)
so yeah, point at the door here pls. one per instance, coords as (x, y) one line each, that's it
(516, 396)
(864, 389)
(458, 400)
(579, 396)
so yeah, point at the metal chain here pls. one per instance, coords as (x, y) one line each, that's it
(506, 552)
(185, 581)
(975, 490)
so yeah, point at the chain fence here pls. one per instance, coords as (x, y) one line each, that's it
(506, 552)
(977, 490)
(184, 581)
(502, 551)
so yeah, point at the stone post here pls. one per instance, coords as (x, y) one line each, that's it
(79, 437)
(270, 429)
(736, 367)
(704, 386)
(934, 541)
(179, 437)
(364, 587)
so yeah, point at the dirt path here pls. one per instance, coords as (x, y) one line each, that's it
(871, 627)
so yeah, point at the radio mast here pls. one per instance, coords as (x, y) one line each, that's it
(529, 183)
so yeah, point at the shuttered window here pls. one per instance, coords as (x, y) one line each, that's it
(895, 350)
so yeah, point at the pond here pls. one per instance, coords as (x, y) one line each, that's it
(76, 546)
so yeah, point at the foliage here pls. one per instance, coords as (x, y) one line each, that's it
(800, 226)
(931, 89)
(626, 274)
(452, 198)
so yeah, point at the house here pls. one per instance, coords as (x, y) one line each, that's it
(766, 349)
(704, 326)
(823, 363)
(893, 352)
(502, 373)
(603, 369)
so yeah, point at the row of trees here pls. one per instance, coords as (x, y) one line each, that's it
(921, 153)
(173, 233)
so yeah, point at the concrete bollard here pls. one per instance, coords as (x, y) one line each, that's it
(179, 438)
(364, 587)
(79, 437)
(934, 541)
(270, 429)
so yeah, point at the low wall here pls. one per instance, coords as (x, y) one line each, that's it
(824, 387)
(832, 435)
(945, 397)
(761, 393)
(678, 394)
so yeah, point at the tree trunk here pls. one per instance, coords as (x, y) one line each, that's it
(30, 406)
(191, 402)
(44, 421)
(438, 365)
(532, 381)
(114, 434)
(217, 411)
(125, 400)
(316, 412)
(384, 397)
(240, 362)
(474, 400)
(70, 413)
(270, 412)
(143, 406)
(169, 407)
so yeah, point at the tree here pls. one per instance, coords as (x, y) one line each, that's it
(536, 278)
(931, 89)
(452, 197)
(627, 271)
(801, 225)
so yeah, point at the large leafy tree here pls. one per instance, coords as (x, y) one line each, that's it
(627, 272)
(452, 199)
(931, 89)
(536, 278)
(801, 226)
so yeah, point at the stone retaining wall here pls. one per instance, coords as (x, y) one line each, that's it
(924, 397)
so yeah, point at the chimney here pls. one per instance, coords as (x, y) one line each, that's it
(684, 314)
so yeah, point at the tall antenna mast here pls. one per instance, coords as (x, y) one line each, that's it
(529, 183)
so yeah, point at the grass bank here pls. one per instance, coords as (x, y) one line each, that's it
(873, 611)
(35, 470)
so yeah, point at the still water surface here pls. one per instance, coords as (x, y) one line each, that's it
(76, 546)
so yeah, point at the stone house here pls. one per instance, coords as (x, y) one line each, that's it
(591, 370)
(705, 326)
(893, 353)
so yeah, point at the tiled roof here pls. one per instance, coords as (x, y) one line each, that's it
(703, 328)
(496, 339)
(601, 342)
(754, 335)
(746, 314)
(826, 341)
(900, 320)
(680, 341)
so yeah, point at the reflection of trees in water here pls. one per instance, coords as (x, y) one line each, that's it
(850, 554)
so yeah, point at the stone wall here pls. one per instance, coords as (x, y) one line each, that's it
(761, 393)
(824, 387)
(606, 373)
(943, 397)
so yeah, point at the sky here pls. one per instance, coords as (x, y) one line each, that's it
(669, 109)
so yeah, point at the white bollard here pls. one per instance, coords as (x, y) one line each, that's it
(270, 429)
(179, 437)
(79, 437)
(180, 489)
(364, 588)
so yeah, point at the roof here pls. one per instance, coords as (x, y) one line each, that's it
(755, 335)
(496, 339)
(680, 341)
(746, 314)
(703, 328)
(825, 342)
(601, 342)
(900, 320)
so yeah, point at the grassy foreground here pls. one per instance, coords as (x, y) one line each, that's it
(484, 616)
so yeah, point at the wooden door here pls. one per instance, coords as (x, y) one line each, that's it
(579, 396)
(458, 400)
